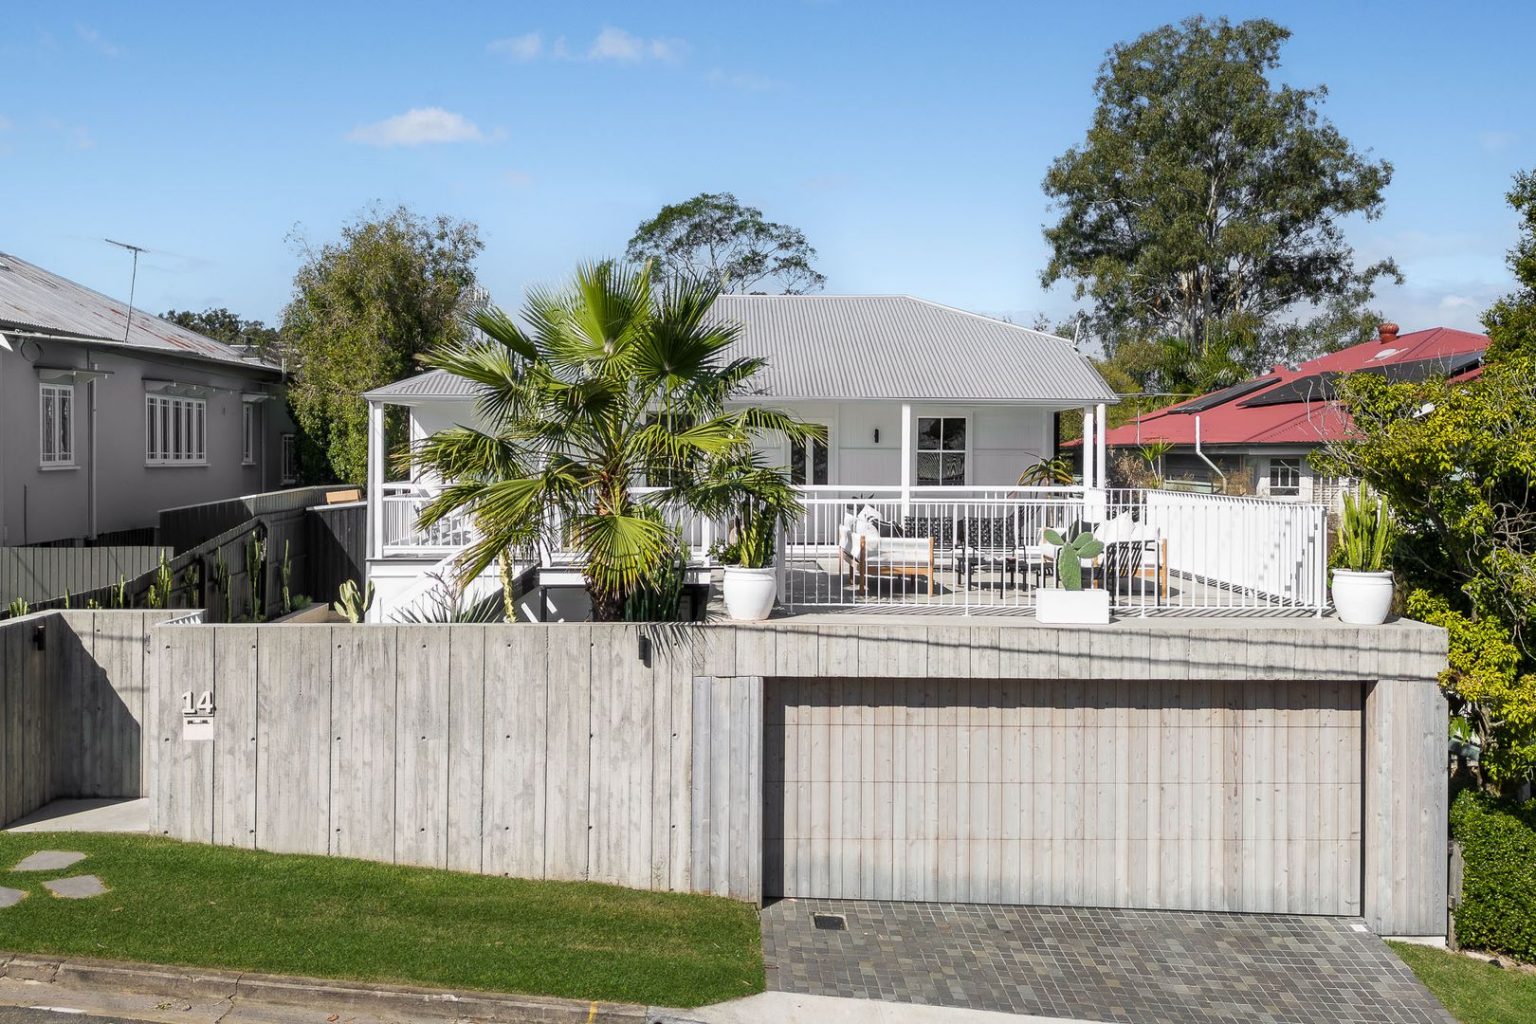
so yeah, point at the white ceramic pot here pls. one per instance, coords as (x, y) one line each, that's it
(750, 593)
(1072, 607)
(1362, 598)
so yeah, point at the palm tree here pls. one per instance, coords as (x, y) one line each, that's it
(607, 384)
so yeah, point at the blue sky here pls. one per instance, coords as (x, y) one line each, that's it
(908, 140)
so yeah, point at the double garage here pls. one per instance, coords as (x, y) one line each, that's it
(1242, 795)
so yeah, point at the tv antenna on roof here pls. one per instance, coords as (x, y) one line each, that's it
(132, 281)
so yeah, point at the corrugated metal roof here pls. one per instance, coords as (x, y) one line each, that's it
(32, 299)
(1308, 414)
(875, 347)
(896, 346)
(432, 384)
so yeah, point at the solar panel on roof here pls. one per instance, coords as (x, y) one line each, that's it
(1320, 386)
(1302, 389)
(1225, 395)
(1423, 369)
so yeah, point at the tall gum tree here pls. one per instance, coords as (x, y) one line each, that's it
(1204, 207)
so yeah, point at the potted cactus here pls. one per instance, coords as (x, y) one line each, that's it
(1362, 581)
(1068, 603)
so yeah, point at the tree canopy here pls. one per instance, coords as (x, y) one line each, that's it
(364, 307)
(1203, 210)
(612, 383)
(1456, 462)
(1511, 323)
(220, 324)
(713, 237)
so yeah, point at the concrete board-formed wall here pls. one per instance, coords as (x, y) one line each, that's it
(557, 752)
(525, 750)
(72, 703)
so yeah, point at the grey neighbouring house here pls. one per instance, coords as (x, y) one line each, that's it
(106, 422)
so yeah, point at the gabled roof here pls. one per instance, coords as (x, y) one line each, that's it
(1296, 406)
(32, 300)
(839, 347)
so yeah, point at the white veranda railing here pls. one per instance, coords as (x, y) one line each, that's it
(976, 548)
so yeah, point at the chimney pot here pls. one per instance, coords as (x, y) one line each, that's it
(1388, 333)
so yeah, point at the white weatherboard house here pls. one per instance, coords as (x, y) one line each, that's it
(932, 416)
(915, 396)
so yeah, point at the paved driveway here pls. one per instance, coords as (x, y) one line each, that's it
(1144, 967)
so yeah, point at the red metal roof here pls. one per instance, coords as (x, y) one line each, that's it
(1308, 422)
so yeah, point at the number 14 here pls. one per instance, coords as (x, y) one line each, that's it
(202, 706)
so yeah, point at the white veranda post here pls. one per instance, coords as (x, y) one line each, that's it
(376, 442)
(1089, 447)
(1101, 443)
(908, 457)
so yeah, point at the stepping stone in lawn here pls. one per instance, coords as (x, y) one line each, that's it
(80, 887)
(10, 897)
(49, 860)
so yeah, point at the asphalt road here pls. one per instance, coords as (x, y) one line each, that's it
(21, 1015)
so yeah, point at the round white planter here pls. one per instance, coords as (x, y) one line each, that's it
(1362, 598)
(750, 593)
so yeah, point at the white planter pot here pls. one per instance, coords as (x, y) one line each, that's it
(1072, 607)
(750, 593)
(1362, 598)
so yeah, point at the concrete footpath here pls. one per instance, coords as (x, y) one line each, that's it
(182, 995)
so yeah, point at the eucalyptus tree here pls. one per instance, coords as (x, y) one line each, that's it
(1206, 203)
(605, 385)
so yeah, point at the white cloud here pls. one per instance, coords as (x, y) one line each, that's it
(518, 179)
(1494, 142)
(525, 47)
(416, 127)
(616, 44)
(743, 80)
(96, 41)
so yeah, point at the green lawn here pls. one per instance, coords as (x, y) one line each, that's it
(1474, 992)
(181, 903)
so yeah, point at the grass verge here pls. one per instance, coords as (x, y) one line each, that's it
(210, 906)
(1474, 992)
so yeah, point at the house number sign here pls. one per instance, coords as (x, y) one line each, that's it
(197, 716)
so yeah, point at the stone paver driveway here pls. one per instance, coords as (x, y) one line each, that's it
(1136, 966)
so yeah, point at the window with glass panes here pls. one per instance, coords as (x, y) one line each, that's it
(56, 424)
(174, 431)
(941, 451)
(808, 461)
(290, 467)
(1285, 477)
(248, 433)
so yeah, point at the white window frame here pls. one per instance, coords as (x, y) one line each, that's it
(289, 466)
(811, 447)
(1291, 465)
(248, 422)
(175, 431)
(917, 425)
(61, 437)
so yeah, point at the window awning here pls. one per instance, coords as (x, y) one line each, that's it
(69, 375)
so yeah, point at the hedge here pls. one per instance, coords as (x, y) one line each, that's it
(1498, 901)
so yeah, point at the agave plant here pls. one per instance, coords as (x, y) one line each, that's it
(604, 385)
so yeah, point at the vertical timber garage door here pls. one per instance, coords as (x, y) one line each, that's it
(1211, 795)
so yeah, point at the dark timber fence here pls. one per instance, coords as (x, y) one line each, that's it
(190, 525)
(336, 538)
(39, 574)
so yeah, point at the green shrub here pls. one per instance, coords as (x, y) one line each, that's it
(1498, 904)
